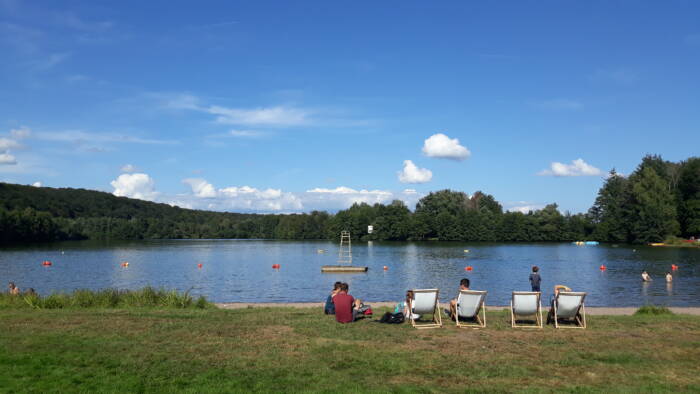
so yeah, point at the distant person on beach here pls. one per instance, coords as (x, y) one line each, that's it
(14, 290)
(645, 276)
(463, 285)
(535, 279)
(345, 305)
(329, 308)
(669, 277)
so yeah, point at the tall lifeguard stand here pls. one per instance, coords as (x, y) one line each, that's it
(345, 250)
(344, 257)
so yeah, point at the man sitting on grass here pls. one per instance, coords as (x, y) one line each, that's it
(345, 305)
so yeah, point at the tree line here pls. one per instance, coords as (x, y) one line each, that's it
(660, 199)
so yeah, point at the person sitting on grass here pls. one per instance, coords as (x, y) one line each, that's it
(329, 308)
(405, 306)
(14, 290)
(345, 305)
(452, 312)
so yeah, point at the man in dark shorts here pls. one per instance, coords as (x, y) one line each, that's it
(345, 305)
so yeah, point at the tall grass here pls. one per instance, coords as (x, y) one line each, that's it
(653, 310)
(147, 297)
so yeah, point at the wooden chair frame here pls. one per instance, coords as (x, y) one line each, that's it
(538, 314)
(579, 318)
(437, 318)
(480, 321)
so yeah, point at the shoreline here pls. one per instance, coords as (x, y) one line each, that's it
(590, 310)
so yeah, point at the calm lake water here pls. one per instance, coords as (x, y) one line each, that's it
(241, 270)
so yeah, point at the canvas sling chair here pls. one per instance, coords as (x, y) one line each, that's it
(526, 303)
(425, 304)
(470, 303)
(568, 305)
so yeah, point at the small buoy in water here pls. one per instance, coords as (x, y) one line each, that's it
(468, 268)
(603, 268)
(46, 263)
(466, 250)
(386, 268)
(62, 252)
(199, 265)
(275, 266)
(674, 267)
(125, 264)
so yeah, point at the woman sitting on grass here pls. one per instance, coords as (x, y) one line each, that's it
(329, 308)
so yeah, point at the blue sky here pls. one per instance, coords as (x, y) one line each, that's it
(294, 106)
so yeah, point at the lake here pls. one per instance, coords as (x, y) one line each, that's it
(241, 270)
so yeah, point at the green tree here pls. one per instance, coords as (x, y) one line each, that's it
(608, 213)
(689, 197)
(652, 215)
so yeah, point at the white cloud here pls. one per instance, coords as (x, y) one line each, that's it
(342, 197)
(410, 191)
(129, 168)
(139, 185)
(577, 167)
(413, 174)
(82, 137)
(245, 133)
(441, 146)
(558, 104)
(7, 159)
(200, 187)
(6, 143)
(250, 198)
(21, 133)
(277, 116)
(273, 116)
(525, 208)
(36, 184)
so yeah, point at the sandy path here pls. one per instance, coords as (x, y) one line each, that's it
(594, 310)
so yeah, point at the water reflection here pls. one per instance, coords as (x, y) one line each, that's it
(241, 270)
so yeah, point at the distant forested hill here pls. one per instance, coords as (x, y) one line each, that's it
(660, 199)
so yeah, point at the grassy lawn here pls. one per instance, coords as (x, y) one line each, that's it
(285, 349)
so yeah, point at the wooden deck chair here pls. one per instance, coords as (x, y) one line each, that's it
(469, 304)
(425, 303)
(526, 303)
(569, 305)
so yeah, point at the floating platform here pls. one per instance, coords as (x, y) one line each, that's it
(343, 268)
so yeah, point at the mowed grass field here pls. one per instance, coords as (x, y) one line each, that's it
(289, 350)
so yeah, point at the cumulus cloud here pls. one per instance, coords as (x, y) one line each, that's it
(245, 133)
(138, 185)
(129, 168)
(441, 146)
(200, 187)
(577, 167)
(36, 184)
(413, 174)
(273, 116)
(7, 143)
(7, 159)
(250, 198)
(527, 207)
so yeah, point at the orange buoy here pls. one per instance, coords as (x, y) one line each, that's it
(46, 263)
(199, 265)
(603, 268)
(386, 268)
(674, 267)
(125, 264)
(275, 266)
(468, 268)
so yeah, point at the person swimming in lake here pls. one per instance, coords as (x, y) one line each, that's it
(669, 277)
(645, 277)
